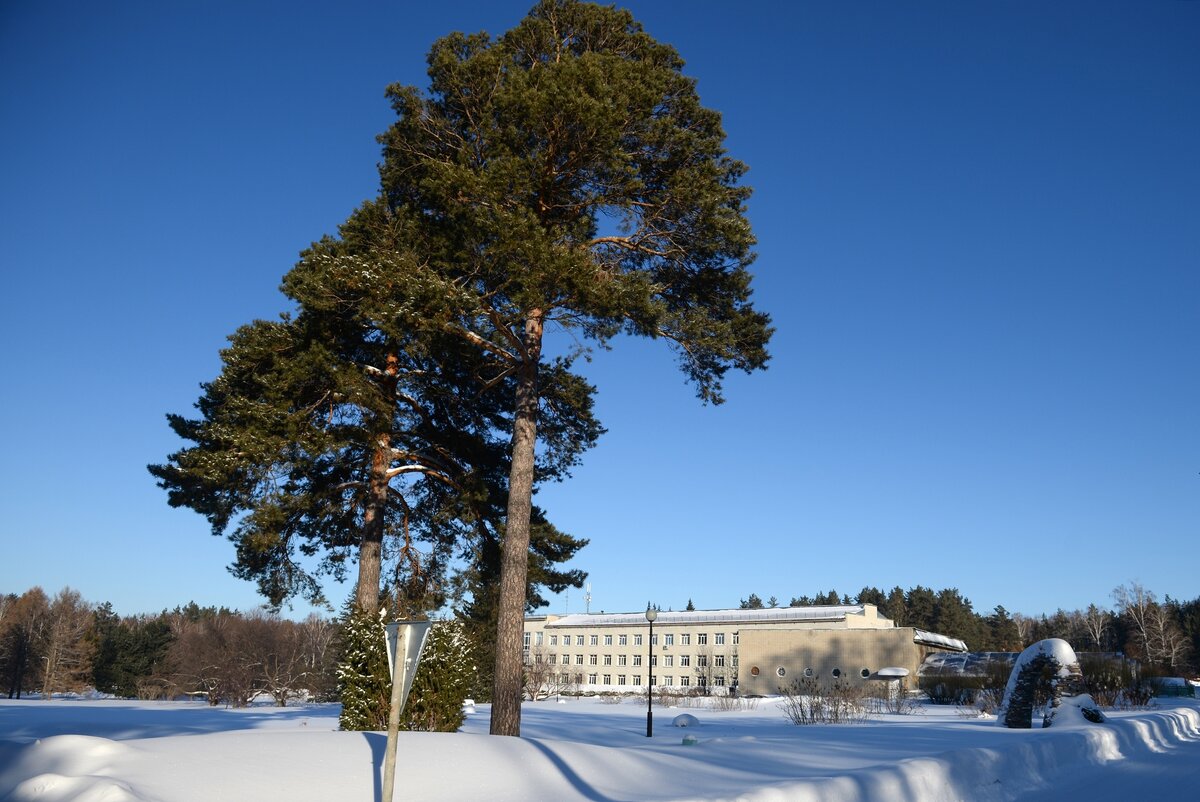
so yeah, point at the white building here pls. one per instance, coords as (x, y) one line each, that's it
(756, 650)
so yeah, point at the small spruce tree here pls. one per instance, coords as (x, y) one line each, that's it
(363, 679)
(444, 679)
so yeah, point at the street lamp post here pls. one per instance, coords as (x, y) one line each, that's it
(651, 614)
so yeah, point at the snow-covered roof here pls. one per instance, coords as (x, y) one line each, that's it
(934, 639)
(892, 672)
(769, 615)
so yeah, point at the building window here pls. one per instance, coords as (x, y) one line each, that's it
(719, 679)
(654, 659)
(538, 638)
(720, 639)
(719, 661)
(668, 680)
(608, 659)
(637, 640)
(553, 640)
(637, 679)
(579, 679)
(668, 640)
(668, 660)
(608, 640)
(701, 660)
(685, 640)
(735, 663)
(685, 660)
(637, 659)
(591, 679)
(537, 658)
(578, 640)
(608, 679)
(622, 640)
(620, 679)
(579, 659)
(735, 639)
(594, 640)
(591, 659)
(684, 681)
(702, 639)
(653, 640)
(526, 641)
(621, 659)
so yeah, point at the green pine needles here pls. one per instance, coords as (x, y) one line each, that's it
(363, 679)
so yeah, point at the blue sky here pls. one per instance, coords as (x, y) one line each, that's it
(978, 231)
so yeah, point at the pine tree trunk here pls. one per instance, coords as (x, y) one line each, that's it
(514, 555)
(370, 550)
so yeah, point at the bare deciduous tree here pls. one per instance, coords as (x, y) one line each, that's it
(66, 651)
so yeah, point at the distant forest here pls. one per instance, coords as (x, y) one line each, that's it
(67, 644)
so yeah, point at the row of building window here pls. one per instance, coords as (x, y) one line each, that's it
(668, 660)
(623, 640)
(667, 680)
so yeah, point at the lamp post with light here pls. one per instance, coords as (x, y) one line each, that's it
(651, 614)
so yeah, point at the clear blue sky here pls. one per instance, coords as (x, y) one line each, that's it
(979, 228)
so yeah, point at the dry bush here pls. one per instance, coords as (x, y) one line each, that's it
(897, 703)
(731, 702)
(808, 701)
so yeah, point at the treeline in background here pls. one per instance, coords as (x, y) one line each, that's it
(1164, 636)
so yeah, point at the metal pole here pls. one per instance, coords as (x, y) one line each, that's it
(650, 616)
(389, 755)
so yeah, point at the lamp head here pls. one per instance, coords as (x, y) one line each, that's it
(651, 614)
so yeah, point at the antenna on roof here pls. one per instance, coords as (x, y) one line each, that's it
(587, 598)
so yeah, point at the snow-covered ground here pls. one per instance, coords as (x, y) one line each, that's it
(118, 751)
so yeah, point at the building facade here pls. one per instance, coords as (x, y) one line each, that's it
(756, 651)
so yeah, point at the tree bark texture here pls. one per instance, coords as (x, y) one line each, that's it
(514, 555)
(370, 551)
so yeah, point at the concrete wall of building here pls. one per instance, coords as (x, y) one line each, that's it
(771, 659)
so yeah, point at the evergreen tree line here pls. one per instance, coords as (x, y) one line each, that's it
(1164, 635)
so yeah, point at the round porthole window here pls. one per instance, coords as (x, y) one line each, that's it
(866, 672)
(808, 672)
(754, 671)
(837, 672)
(781, 671)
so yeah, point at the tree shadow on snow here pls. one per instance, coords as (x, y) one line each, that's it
(571, 776)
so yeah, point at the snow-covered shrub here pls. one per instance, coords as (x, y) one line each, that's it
(443, 681)
(1049, 665)
(363, 680)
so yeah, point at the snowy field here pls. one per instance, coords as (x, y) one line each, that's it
(118, 751)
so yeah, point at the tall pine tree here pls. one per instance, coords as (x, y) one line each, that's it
(566, 177)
